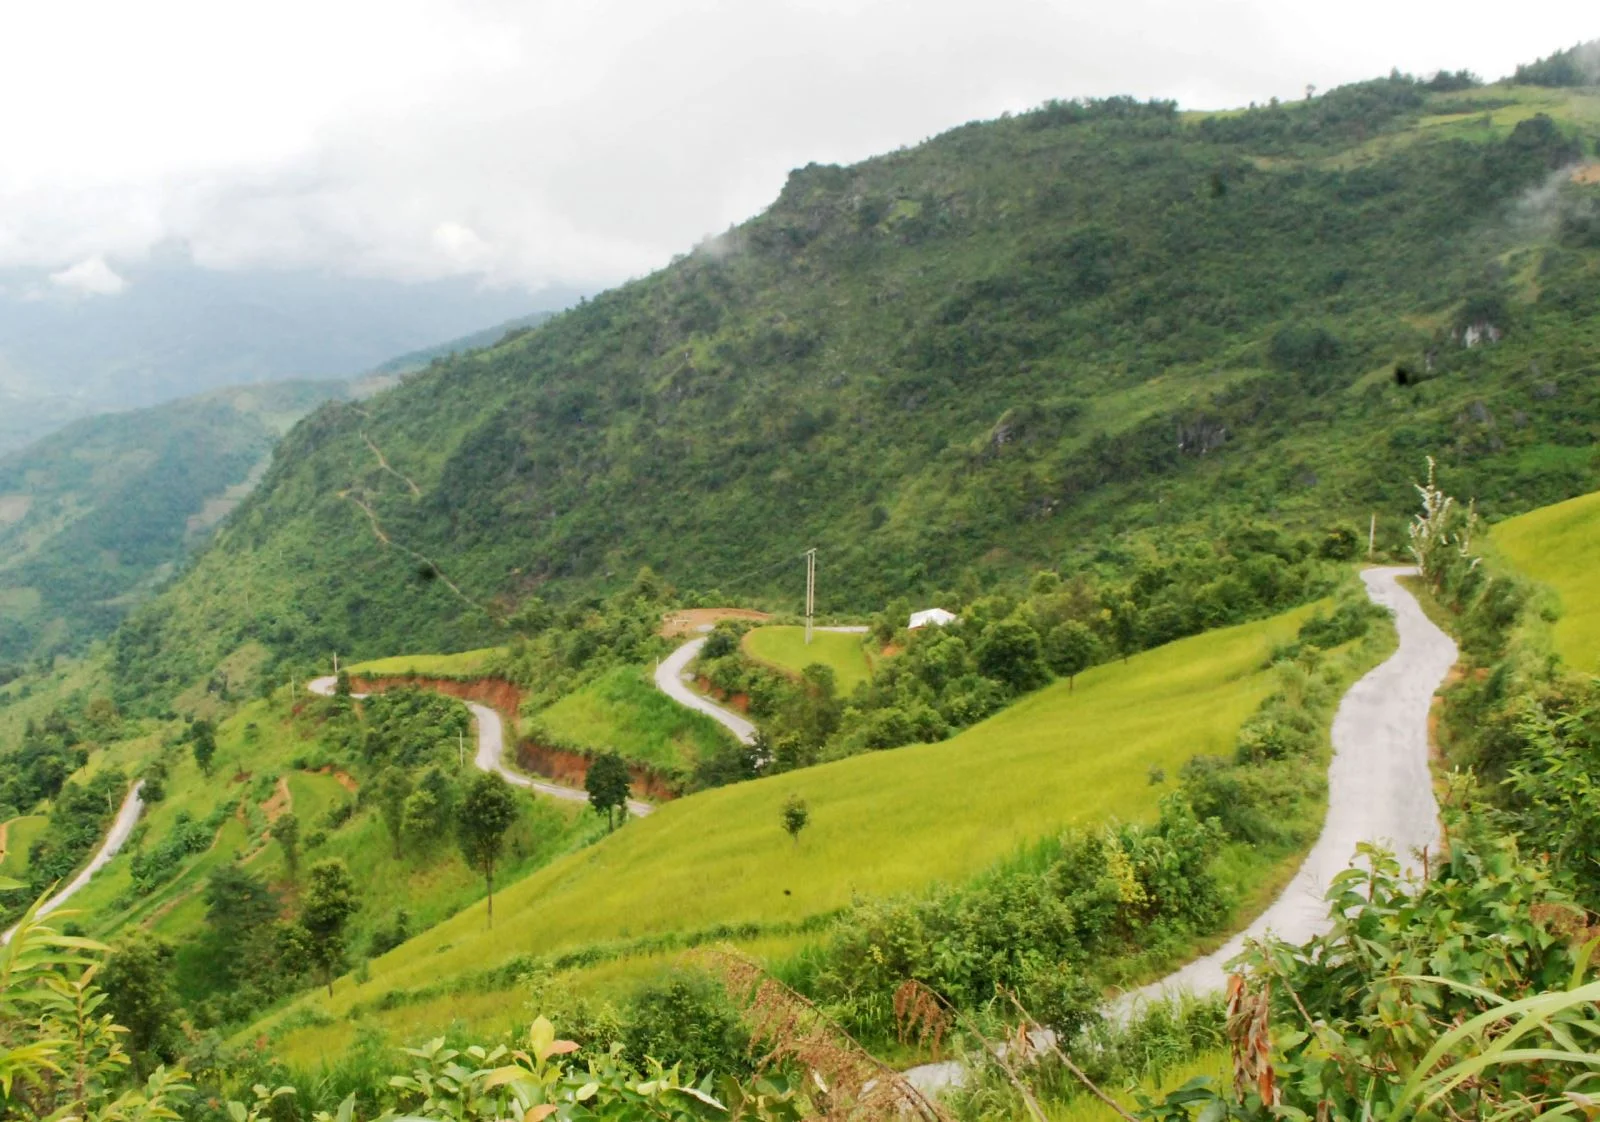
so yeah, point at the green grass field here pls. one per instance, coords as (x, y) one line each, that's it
(881, 823)
(463, 665)
(623, 712)
(785, 649)
(1559, 546)
(20, 833)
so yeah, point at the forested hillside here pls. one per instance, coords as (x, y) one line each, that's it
(1011, 345)
(92, 516)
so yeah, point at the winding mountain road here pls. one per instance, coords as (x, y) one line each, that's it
(671, 676)
(121, 827)
(1379, 786)
(491, 750)
(1379, 790)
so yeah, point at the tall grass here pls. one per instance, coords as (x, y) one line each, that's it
(1559, 546)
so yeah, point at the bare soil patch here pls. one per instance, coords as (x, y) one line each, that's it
(693, 621)
(281, 802)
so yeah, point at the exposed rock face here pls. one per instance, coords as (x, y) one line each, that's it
(1201, 435)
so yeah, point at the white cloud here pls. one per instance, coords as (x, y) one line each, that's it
(538, 142)
(89, 277)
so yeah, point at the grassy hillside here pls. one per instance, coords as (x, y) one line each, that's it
(786, 649)
(93, 516)
(623, 712)
(313, 761)
(1559, 546)
(19, 835)
(1011, 345)
(881, 823)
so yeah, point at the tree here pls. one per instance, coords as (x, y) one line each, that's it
(286, 832)
(487, 812)
(394, 787)
(138, 983)
(607, 782)
(429, 810)
(325, 911)
(203, 739)
(1124, 619)
(796, 817)
(1008, 652)
(1070, 649)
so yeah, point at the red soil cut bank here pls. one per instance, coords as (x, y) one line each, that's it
(572, 768)
(739, 701)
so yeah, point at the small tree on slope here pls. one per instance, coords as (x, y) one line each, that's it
(487, 811)
(607, 782)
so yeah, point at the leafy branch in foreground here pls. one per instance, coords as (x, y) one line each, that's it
(60, 1056)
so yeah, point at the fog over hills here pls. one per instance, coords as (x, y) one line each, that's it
(103, 336)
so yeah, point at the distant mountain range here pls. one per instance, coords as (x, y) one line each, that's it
(97, 514)
(167, 329)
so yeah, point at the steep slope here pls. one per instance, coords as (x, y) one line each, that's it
(1006, 346)
(91, 517)
(882, 823)
(1557, 546)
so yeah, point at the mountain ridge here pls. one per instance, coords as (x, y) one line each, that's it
(1009, 346)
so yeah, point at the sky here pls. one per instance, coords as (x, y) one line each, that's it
(588, 141)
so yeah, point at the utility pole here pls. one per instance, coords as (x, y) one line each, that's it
(336, 663)
(811, 590)
(461, 749)
(1372, 537)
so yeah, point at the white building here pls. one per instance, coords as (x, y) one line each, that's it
(934, 617)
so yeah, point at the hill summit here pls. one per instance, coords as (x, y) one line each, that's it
(1015, 344)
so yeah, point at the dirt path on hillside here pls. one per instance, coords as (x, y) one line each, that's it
(491, 752)
(1379, 790)
(121, 827)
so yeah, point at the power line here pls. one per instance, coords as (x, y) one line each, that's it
(789, 560)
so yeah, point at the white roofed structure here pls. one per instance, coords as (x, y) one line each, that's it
(931, 617)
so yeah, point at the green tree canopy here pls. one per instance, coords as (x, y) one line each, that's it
(488, 810)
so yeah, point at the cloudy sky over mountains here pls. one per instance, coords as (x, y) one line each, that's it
(532, 143)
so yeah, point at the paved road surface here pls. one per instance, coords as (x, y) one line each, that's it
(1379, 789)
(670, 680)
(491, 749)
(121, 827)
